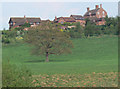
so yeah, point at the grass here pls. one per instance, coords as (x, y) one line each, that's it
(13, 76)
(88, 55)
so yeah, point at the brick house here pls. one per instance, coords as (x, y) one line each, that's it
(64, 19)
(19, 21)
(71, 19)
(79, 18)
(96, 15)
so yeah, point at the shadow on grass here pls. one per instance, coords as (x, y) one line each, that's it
(36, 61)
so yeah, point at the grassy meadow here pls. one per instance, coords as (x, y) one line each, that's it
(96, 55)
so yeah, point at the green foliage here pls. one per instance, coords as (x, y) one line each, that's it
(111, 26)
(26, 25)
(89, 22)
(5, 40)
(8, 33)
(77, 32)
(111, 21)
(92, 30)
(67, 24)
(8, 36)
(15, 77)
(48, 39)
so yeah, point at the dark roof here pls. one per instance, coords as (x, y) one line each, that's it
(45, 20)
(22, 20)
(77, 17)
(67, 19)
(93, 12)
(33, 20)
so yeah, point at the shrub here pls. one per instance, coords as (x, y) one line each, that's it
(5, 40)
(16, 77)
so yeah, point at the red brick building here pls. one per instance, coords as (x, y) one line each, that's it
(96, 15)
(79, 18)
(19, 21)
(71, 19)
(64, 19)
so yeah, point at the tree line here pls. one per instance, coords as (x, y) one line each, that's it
(91, 29)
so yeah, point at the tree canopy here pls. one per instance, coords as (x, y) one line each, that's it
(48, 39)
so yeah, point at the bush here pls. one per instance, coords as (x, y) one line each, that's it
(5, 40)
(16, 77)
(77, 32)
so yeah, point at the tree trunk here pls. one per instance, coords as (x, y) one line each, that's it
(47, 60)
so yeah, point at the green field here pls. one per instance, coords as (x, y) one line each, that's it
(88, 55)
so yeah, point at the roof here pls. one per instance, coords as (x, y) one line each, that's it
(67, 19)
(45, 20)
(22, 20)
(93, 12)
(77, 17)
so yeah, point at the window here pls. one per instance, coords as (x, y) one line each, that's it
(11, 23)
(103, 12)
(89, 13)
(98, 13)
(31, 23)
(37, 22)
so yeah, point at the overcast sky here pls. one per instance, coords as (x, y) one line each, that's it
(48, 10)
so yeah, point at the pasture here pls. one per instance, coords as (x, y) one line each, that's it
(88, 55)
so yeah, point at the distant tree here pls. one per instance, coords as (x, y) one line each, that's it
(48, 39)
(77, 31)
(89, 30)
(87, 21)
(92, 30)
(111, 25)
(111, 20)
(7, 35)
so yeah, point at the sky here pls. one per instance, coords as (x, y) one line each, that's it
(48, 10)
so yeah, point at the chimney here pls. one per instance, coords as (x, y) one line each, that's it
(55, 18)
(24, 16)
(96, 7)
(88, 8)
(100, 5)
